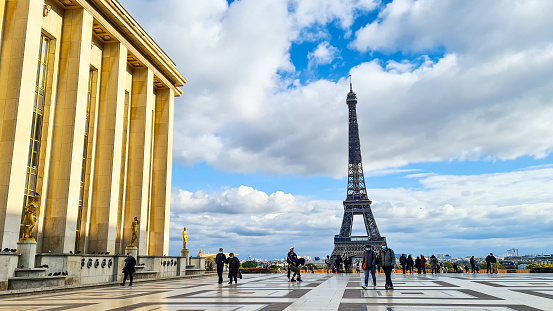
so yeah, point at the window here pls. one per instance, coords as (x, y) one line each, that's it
(85, 154)
(36, 129)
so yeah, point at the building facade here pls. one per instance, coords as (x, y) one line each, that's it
(86, 121)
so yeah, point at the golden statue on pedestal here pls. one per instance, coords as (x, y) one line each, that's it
(184, 238)
(29, 218)
(134, 230)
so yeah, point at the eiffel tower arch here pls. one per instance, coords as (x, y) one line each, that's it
(357, 201)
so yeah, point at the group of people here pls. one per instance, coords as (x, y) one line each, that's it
(385, 258)
(407, 263)
(233, 266)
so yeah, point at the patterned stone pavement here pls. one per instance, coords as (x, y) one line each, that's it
(463, 292)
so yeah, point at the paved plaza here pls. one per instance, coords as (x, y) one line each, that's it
(522, 292)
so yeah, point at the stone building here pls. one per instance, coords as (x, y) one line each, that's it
(86, 120)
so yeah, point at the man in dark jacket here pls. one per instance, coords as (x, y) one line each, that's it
(128, 270)
(493, 263)
(410, 264)
(488, 263)
(337, 264)
(294, 265)
(403, 262)
(220, 260)
(369, 265)
(233, 268)
(387, 262)
(472, 264)
(418, 265)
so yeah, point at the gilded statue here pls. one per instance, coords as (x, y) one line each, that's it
(184, 238)
(29, 218)
(134, 230)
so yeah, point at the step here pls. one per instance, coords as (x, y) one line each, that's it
(145, 275)
(35, 282)
(194, 271)
(32, 272)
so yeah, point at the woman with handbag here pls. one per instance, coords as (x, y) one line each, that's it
(233, 268)
(369, 265)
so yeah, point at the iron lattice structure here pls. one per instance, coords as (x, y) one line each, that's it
(357, 201)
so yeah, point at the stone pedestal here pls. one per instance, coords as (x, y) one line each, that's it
(131, 250)
(27, 249)
(185, 253)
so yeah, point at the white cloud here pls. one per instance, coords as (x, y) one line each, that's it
(476, 213)
(468, 27)
(312, 12)
(324, 54)
(487, 97)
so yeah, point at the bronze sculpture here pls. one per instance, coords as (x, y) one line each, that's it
(184, 238)
(134, 230)
(29, 218)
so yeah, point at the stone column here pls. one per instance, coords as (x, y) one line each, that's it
(138, 174)
(2, 11)
(107, 171)
(161, 183)
(18, 70)
(69, 128)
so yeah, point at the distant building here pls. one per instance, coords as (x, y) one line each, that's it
(512, 252)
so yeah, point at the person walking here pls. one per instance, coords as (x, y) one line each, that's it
(128, 270)
(387, 262)
(233, 268)
(434, 264)
(403, 262)
(410, 264)
(220, 261)
(327, 263)
(294, 265)
(493, 263)
(337, 264)
(472, 264)
(488, 263)
(418, 265)
(423, 264)
(369, 265)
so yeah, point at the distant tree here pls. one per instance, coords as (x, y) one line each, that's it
(249, 264)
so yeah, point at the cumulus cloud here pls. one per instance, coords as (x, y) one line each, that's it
(476, 213)
(307, 13)
(242, 111)
(324, 54)
(468, 27)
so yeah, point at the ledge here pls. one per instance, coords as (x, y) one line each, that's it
(56, 289)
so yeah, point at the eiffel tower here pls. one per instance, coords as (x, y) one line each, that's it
(357, 201)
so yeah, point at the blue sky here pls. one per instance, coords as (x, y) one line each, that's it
(454, 114)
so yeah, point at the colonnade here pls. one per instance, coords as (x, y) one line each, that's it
(105, 134)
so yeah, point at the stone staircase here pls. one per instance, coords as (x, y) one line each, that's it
(34, 278)
(141, 274)
(193, 270)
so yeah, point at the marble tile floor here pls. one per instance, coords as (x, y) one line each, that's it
(342, 292)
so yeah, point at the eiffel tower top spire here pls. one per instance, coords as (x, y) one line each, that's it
(356, 179)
